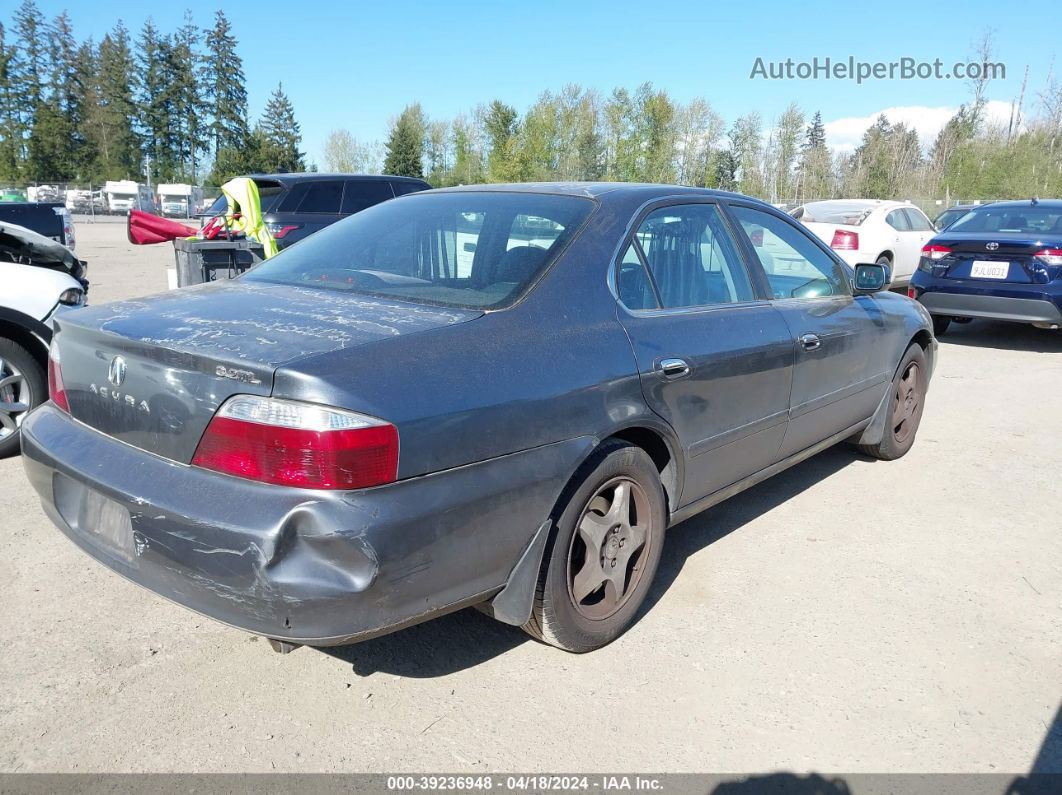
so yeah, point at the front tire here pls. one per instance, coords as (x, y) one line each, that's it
(604, 551)
(906, 402)
(22, 389)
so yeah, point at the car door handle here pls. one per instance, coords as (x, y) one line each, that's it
(674, 368)
(810, 342)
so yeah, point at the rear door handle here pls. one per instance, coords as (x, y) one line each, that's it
(810, 342)
(674, 368)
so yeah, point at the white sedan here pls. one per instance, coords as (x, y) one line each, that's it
(871, 230)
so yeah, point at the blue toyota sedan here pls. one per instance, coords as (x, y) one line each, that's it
(1002, 261)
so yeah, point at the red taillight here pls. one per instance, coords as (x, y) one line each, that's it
(912, 292)
(298, 444)
(1051, 256)
(843, 240)
(279, 231)
(935, 252)
(56, 390)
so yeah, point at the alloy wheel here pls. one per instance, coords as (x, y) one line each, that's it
(14, 398)
(905, 404)
(608, 547)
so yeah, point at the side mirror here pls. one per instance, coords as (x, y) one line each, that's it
(870, 278)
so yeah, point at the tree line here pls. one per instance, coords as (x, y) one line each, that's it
(174, 104)
(644, 135)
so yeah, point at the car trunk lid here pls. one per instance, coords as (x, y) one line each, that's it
(152, 372)
(1004, 257)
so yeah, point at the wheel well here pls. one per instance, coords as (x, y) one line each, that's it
(24, 337)
(886, 254)
(923, 338)
(657, 449)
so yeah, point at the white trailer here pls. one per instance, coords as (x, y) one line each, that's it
(125, 195)
(179, 200)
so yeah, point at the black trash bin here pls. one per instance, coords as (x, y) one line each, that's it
(200, 261)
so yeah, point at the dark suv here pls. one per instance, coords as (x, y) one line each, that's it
(297, 205)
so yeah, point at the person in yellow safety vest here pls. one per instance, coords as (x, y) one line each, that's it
(243, 213)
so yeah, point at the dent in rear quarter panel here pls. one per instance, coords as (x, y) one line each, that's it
(555, 366)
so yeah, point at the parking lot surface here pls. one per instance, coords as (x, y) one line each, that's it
(848, 615)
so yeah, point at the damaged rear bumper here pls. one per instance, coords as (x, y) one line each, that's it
(312, 567)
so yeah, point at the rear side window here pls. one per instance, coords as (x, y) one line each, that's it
(632, 283)
(402, 188)
(449, 249)
(691, 257)
(897, 219)
(360, 194)
(322, 197)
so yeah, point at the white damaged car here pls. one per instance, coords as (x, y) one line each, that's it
(38, 278)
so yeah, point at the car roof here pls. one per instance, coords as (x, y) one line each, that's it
(645, 190)
(303, 176)
(865, 204)
(1051, 204)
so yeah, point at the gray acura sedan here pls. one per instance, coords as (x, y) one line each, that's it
(492, 395)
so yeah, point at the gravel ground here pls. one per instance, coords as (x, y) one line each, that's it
(848, 615)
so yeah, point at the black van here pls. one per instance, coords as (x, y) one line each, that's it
(297, 205)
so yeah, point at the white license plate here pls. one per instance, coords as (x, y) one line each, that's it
(989, 269)
(109, 522)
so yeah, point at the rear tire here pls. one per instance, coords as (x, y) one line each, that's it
(906, 401)
(940, 325)
(604, 551)
(22, 389)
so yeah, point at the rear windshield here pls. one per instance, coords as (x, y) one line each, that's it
(847, 214)
(467, 249)
(1023, 220)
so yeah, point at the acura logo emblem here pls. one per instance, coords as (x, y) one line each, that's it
(116, 372)
(991, 246)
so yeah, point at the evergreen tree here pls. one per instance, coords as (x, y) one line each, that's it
(813, 171)
(27, 67)
(10, 122)
(184, 74)
(49, 154)
(155, 100)
(223, 86)
(501, 130)
(65, 95)
(281, 134)
(111, 118)
(406, 144)
(726, 169)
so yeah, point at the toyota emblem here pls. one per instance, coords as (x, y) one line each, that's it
(116, 372)
(991, 246)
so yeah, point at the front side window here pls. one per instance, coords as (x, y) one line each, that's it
(796, 267)
(463, 249)
(917, 220)
(691, 256)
